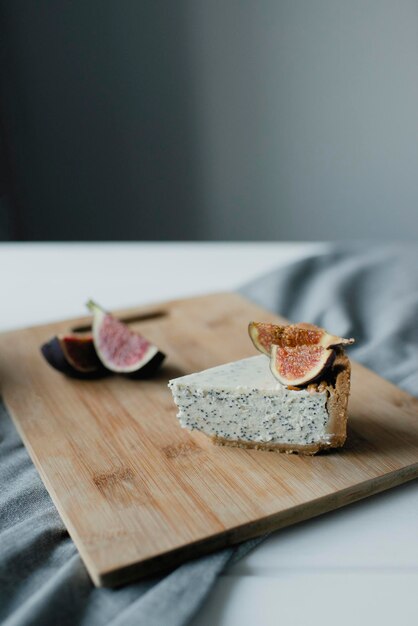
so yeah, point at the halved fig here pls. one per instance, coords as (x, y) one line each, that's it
(299, 365)
(120, 349)
(299, 353)
(73, 355)
(265, 335)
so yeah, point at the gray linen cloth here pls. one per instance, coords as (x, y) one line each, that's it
(369, 294)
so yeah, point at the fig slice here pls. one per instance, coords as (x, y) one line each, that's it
(73, 355)
(264, 335)
(120, 349)
(298, 365)
(299, 353)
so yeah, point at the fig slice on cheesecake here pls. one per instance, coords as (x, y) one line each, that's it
(299, 353)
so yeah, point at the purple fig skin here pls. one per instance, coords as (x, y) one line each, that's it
(54, 355)
(148, 370)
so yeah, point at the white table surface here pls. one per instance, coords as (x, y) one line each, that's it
(356, 565)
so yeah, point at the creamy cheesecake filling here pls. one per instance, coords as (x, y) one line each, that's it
(243, 401)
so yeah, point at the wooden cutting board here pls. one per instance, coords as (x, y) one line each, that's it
(139, 494)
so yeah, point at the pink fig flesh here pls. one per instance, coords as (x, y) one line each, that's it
(120, 349)
(299, 365)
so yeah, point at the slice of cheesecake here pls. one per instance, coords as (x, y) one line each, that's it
(242, 404)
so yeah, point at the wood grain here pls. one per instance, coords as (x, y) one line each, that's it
(137, 493)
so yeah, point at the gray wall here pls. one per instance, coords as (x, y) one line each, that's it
(97, 109)
(212, 119)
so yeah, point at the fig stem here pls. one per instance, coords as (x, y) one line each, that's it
(91, 305)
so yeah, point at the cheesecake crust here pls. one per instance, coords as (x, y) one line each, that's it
(337, 402)
(337, 386)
